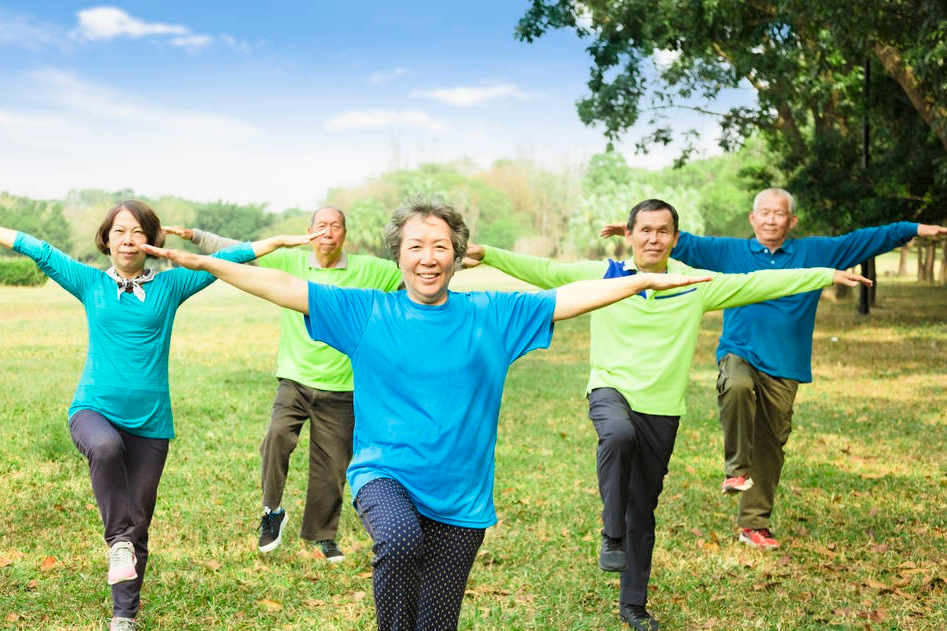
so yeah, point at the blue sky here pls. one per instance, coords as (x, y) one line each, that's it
(276, 102)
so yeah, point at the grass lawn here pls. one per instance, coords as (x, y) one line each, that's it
(861, 511)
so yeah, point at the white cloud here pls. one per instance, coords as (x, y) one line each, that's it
(386, 75)
(108, 23)
(380, 119)
(93, 103)
(466, 96)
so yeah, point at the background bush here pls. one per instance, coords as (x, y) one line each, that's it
(20, 272)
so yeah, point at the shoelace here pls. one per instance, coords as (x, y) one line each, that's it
(268, 523)
(120, 554)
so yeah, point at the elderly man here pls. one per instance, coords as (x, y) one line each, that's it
(765, 349)
(315, 384)
(641, 352)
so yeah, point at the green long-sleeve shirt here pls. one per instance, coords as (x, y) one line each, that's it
(643, 345)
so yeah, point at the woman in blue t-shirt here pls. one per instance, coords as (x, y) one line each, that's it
(429, 368)
(120, 418)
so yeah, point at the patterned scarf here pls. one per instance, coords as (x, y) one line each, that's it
(131, 285)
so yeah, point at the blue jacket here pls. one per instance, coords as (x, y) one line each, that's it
(775, 336)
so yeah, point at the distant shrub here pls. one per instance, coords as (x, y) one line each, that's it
(20, 272)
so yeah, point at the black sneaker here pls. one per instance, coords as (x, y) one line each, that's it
(271, 530)
(638, 618)
(612, 557)
(331, 550)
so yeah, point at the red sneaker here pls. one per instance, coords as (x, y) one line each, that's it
(736, 484)
(762, 538)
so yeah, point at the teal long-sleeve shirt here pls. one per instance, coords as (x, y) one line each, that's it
(126, 369)
(643, 345)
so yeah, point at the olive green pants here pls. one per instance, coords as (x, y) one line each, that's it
(756, 417)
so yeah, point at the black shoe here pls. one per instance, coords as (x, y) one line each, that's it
(271, 530)
(332, 552)
(638, 618)
(612, 557)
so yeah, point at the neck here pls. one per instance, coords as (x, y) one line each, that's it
(328, 260)
(129, 275)
(773, 245)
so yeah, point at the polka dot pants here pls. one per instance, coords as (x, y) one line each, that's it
(420, 565)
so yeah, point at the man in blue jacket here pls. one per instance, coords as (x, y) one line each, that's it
(765, 348)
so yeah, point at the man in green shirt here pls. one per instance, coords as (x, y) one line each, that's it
(640, 354)
(315, 383)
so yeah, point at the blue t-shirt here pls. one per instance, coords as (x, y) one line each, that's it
(126, 369)
(775, 336)
(428, 383)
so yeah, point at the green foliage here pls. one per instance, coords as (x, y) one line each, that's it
(805, 61)
(42, 219)
(20, 272)
(245, 223)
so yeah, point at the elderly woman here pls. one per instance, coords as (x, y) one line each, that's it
(429, 369)
(120, 418)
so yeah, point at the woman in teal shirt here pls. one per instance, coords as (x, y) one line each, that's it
(120, 418)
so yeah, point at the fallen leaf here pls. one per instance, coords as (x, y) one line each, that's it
(270, 605)
(213, 566)
(5, 561)
(364, 575)
(32, 584)
(48, 563)
(12, 617)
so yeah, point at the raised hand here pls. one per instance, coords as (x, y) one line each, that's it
(612, 230)
(180, 231)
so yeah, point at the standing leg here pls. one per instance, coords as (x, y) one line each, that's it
(125, 471)
(449, 554)
(656, 436)
(330, 451)
(775, 398)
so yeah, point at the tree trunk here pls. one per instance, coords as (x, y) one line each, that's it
(929, 257)
(943, 265)
(921, 252)
(866, 295)
(903, 261)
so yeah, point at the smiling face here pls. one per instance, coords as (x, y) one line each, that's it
(124, 238)
(328, 247)
(772, 219)
(426, 259)
(652, 238)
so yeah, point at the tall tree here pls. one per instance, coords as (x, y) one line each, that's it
(807, 61)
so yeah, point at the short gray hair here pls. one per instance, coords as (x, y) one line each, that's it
(422, 208)
(312, 219)
(778, 192)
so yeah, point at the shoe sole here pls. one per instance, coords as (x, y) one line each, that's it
(122, 579)
(337, 559)
(731, 490)
(279, 538)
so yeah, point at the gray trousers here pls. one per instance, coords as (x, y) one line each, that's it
(634, 450)
(756, 417)
(331, 422)
(125, 471)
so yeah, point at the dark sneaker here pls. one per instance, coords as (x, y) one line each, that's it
(737, 484)
(638, 618)
(331, 550)
(762, 538)
(612, 557)
(271, 530)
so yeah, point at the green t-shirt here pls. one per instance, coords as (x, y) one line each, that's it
(301, 359)
(643, 346)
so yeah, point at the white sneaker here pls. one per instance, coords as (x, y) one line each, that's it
(121, 558)
(122, 624)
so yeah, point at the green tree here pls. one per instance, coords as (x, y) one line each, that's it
(806, 61)
(233, 220)
(43, 219)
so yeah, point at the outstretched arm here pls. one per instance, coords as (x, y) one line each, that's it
(7, 237)
(586, 295)
(278, 287)
(265, 246)
(930, 230)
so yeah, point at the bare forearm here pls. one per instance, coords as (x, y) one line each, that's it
(587, 295)
(273, 285)
(7, 237)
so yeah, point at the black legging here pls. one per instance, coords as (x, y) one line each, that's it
(420, 565)
(125, 471)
